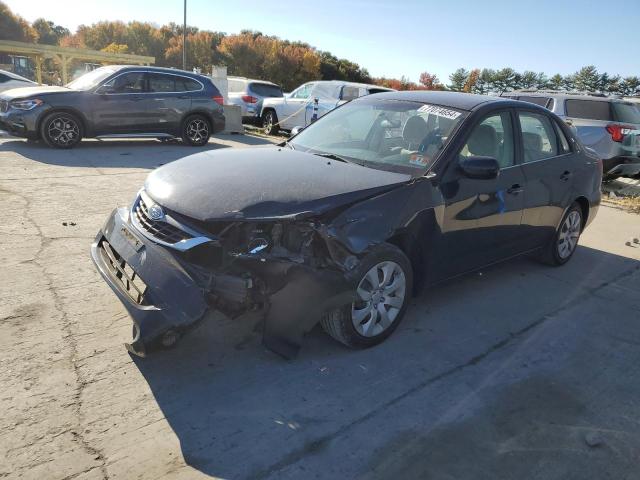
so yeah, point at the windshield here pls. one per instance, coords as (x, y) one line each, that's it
(390, 135)
(627, 112)
(91, 79)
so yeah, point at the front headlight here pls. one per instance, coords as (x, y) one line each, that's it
(26, 104)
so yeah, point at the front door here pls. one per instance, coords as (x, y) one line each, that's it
(482, 218)
(123, 105)
(294, 107)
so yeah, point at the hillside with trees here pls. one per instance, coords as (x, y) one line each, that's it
(256, 55)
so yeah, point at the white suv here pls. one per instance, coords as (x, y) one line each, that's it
(247, 93)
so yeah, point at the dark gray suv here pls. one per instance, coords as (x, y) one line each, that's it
(116, 101)
(608, 125)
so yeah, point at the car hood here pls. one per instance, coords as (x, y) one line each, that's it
(263, 183)
(41, 90)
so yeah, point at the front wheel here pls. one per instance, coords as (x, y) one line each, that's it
(61, 130)
(195, 131)
(270, 123)
(382, 285)
(565, 241)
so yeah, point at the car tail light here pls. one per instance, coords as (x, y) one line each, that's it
(218, 99)
(618, 132)
(249, 99)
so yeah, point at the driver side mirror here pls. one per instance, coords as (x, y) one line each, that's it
(481, 168)
(105, 89)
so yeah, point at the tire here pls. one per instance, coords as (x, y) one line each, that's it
(354, 325)
(270, 123)
(565, 241)
(196, 130)
(61, 130)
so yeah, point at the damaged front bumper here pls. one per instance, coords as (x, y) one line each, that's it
(159, 295)
(165, 294)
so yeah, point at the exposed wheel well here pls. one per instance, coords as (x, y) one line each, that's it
(409, 248)
(584, 206)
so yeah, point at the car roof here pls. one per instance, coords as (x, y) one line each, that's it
(175, 71)
(597, 97)
(350, 84)
(16, 76)
(251, 80)
(459, 100)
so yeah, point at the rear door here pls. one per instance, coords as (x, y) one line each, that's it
(171, 97)
(482, 218)
(550, 167)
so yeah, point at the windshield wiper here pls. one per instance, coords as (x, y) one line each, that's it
(288, 144)
(333, 156)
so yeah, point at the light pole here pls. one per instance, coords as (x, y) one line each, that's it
(184, 38)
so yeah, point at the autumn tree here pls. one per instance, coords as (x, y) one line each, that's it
(472, 81)
(430, 81)
(48, 32)
(14, 27)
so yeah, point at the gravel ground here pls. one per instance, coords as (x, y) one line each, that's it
(519, 371)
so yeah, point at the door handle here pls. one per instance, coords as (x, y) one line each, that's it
(515, 189)
(566, 175)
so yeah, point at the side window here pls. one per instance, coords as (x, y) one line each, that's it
(493, 137)
(184, 84)
(161, 83)
(303, 92)
(538, 137)
(128, 83)
(563, 142)
(589, 109)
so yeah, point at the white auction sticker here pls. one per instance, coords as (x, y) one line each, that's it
(439, 111)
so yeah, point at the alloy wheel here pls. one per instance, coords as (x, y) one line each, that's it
(379, 298)
(197, 131)
(268, 123)
(63, 130)
(569, 234)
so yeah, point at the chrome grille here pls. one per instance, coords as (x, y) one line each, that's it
(128, 279)
(159, 229)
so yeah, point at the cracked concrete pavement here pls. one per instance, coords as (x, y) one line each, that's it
(519, 371)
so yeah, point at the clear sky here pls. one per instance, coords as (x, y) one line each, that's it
(403, 37)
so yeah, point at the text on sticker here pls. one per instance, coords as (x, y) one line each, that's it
(439, 111)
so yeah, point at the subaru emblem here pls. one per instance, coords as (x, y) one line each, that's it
(156, 212)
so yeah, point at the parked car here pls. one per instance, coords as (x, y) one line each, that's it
(9, 80)
(296, 109)
(116, 101)
(246, 93)
(344, 222)
(609, 125)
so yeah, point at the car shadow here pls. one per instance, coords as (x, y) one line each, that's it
(131, 153)
(240, 411)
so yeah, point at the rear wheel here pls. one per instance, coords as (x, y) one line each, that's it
(382, 284)
(195, 130)
(565, 241)
(270, 123)
(61, 130)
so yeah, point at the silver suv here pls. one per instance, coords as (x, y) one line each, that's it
(248, 93)
(608, 125)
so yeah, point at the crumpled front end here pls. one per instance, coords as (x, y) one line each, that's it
(169, 271)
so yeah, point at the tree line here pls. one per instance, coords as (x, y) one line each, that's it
(256, 55)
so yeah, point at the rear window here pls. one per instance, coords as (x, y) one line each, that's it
(236, 86)
(266, 90)
(542, 101)
(589, 109)
(626, 112)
